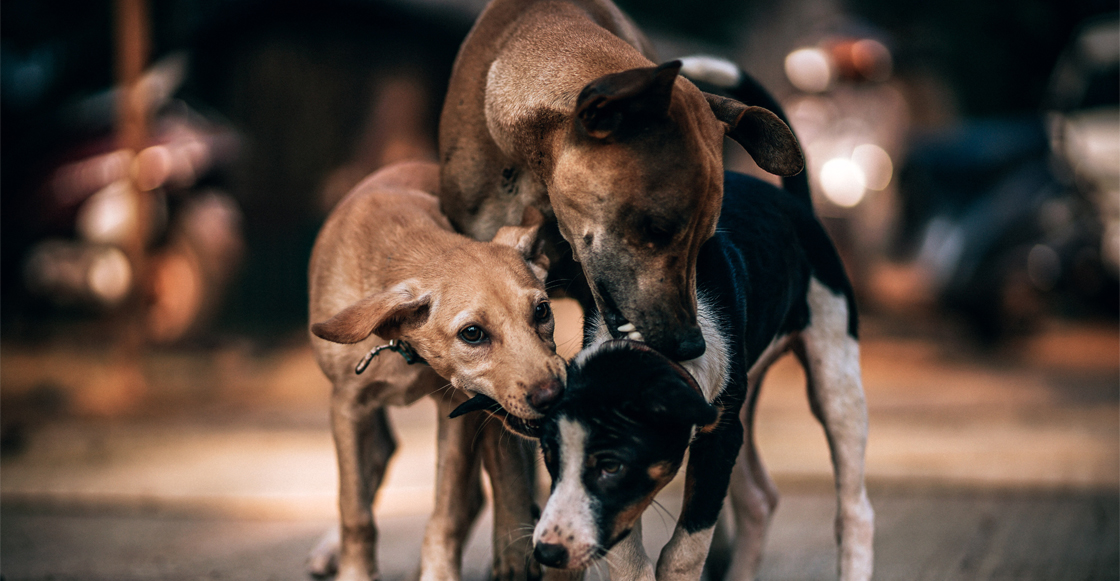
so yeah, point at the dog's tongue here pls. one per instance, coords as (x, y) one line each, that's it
(477, 403)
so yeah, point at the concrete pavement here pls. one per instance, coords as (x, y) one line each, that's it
(1003, 465)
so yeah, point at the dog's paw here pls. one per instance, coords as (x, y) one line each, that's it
(322, 561)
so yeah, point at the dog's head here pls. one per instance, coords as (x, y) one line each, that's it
(614, 440)
(478, 314)
(636, 188)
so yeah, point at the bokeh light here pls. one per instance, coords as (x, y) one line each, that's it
(809, 69)
(876, 165)
(843, 182)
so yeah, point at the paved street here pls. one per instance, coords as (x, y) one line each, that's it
(1004, 465)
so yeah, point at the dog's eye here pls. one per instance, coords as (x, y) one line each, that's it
(609, 467)
(660, 233)
(472, 334)
(543, 312)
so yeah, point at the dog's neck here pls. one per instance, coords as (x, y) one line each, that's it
(710, 369)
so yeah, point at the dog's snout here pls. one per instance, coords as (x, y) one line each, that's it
(546, 394)
(551, 555)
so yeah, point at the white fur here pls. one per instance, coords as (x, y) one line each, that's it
(709, 369)
(568, 511)
(628, 560)
(710, 69)
(682, 558)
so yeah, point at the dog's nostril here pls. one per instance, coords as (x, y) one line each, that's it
(544, 396)
(688, 347)
(551, 555)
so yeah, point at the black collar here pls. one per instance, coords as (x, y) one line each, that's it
(400, 346)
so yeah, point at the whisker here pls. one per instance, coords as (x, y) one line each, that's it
(663, 512)
(521, 538)
(598, 564)
(481, 427)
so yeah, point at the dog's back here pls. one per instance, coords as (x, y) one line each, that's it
(474, 166)
(756, 270)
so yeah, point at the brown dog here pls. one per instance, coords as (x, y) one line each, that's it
(387, 266)
(555, 104)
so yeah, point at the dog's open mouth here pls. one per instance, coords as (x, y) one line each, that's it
(520, 426)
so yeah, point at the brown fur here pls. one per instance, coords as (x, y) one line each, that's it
(386, 266)
(556, 105)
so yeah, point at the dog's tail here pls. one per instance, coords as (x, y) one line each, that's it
(723, 77)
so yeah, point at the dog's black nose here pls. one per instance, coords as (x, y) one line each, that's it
(691, 347)
(551, 555)
(687, 345)
(545, 395)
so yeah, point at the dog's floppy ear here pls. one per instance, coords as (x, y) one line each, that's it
(382, 314)
(675, 399)
(766, 137)
(606, 104)
(526, 240)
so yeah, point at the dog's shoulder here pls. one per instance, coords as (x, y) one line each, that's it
(757, 213)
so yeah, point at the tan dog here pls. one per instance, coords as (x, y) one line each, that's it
(387, 266)
(557, 105)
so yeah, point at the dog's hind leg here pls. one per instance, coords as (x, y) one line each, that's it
(458, 492)
(364, 443)
(831, 359)
(509, 462)
(753, 494)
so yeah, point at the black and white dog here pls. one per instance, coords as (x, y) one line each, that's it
(770, 281)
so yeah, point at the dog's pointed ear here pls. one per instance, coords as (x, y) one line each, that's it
(608, 103)
(766, 137)
(526, 239)
(381, 314)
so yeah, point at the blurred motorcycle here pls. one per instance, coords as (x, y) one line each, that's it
(1014, 218)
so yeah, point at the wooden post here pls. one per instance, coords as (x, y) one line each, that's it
(133, 43)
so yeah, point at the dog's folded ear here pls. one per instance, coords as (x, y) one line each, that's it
(526, 239)
(766, 137)
(607, 104)
(673, 399)
(381, 313)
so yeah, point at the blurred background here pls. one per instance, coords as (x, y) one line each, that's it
(167, 164)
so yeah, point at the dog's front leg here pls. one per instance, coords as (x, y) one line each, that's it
(509, 462)
(628, 561)
(458, 493)
(753, 494)
(710, 462)
(754, 498)
(364, 443)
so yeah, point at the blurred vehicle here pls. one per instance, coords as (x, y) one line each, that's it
(192, 237)
(1014, 218)
(852, 121)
